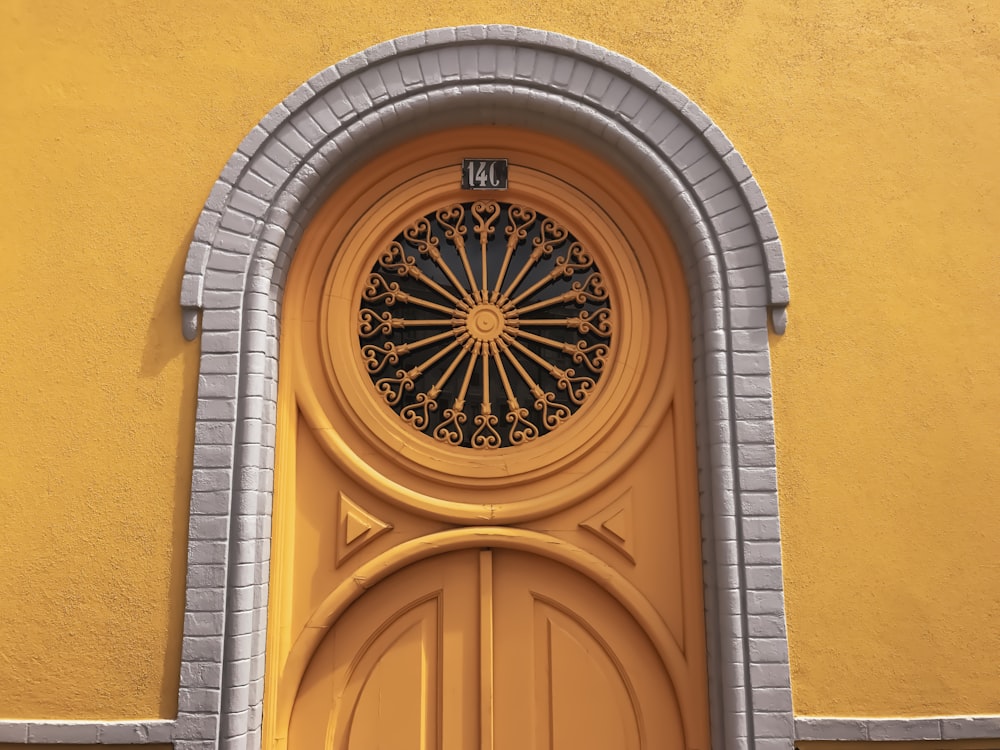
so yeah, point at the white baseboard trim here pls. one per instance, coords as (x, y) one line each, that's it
(154, 731)
(883, 729)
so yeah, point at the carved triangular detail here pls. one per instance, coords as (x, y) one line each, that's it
(356, 527)
(613, 524)
(617, 524)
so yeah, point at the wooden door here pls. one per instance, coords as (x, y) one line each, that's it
(486, 528)
(486, 649)
(573, 669)
(400, 669)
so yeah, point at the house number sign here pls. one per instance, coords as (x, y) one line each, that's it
(484, 174)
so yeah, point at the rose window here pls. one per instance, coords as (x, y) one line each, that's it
(485, 324)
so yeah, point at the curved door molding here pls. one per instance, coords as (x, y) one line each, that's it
(309, 146)
(490, 648)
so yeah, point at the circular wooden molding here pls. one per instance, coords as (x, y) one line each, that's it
(369, 439)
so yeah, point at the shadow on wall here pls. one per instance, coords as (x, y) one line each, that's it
(164, 344)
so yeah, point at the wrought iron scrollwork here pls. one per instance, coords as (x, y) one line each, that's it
(485, 324)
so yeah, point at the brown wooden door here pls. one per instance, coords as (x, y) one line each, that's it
(486, 526)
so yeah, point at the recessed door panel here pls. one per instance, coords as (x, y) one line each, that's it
(398, 671)
(574, 670)
(583, 697)
(398, 677)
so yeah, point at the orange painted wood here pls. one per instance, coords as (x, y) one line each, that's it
(546, 595)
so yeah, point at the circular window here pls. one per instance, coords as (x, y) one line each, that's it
(481, 357)
(485, 324)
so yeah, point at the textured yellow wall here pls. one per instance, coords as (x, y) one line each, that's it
(903, 745)
(871, 126)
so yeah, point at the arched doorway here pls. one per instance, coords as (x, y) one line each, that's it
(234, 285)
(454, 362)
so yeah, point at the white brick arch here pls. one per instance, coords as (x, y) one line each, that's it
(233, 284)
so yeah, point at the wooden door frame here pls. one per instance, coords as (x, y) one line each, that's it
(234, 281)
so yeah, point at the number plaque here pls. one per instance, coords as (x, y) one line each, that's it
(484, 174)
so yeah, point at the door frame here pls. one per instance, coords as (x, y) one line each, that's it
(234, 281)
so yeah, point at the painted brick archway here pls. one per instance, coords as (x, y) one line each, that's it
(234, 280)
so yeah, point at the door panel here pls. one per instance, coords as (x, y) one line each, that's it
(397, 676)
(399, 671)
(636, 526)
(493, 649)
(583, 698)
(574, 671)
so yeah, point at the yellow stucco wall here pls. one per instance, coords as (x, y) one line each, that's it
(901, 745)
(871, 126)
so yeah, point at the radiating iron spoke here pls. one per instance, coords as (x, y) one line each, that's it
(425, 323)
(520, 220)
(376, 356)
(451, 219)
(581, 352)
(486, 213)
(552, 235)
(597, 322)
(407, 266)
